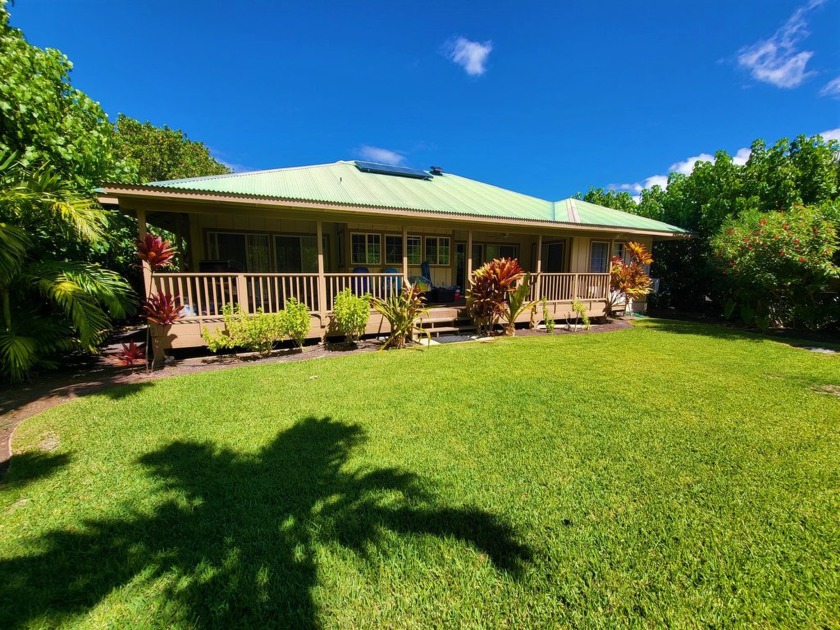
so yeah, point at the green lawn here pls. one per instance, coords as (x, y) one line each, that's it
(669, 474)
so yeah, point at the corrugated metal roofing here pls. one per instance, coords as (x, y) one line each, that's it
(343, 183)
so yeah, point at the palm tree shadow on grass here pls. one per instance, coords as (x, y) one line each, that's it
(235, 545)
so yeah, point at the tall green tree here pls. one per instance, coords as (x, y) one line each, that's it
(160, 153)
(43, 118)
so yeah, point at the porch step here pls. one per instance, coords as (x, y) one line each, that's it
(436, 320)
(443, 329)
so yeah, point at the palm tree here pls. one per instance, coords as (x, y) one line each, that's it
(50, 304)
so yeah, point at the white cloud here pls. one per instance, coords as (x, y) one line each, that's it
(470, 55)
(832, 88)
(380, 155)
(777, 59)
(687, 165)
(741, 156)
(831, 134)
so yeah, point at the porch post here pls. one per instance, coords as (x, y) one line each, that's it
(469, 261)
(141, 232)
(322, 280)
(405, 254)
(538, 294)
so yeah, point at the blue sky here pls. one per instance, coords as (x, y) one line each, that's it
(543, 98)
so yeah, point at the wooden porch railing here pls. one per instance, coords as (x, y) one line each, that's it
(204, 295)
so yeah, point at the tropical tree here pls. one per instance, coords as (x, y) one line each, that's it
(160, 153)
(49, 304)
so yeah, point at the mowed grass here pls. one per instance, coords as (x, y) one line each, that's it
(672, 474)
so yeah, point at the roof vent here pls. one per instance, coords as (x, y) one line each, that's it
(436, 170)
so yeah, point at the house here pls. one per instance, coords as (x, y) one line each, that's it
(258, 238)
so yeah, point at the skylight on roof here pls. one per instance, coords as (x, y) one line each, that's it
(388, 169)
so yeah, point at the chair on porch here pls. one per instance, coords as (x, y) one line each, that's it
(394, 285)
(360, 285)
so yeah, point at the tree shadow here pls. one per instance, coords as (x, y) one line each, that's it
(730, 333)
(30, 466)
(236, 544)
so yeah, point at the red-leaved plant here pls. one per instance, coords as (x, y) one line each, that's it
(155, 251)
(129, 354)
(162, 309)
(488, 294)
(629, 280)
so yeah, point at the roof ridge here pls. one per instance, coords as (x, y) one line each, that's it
(231, 175)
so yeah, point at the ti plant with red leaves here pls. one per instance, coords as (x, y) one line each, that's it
(628, 280)
(162, 309)
(155, 251)
(129, 354)
(487, 298)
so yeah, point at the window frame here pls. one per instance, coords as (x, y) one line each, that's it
(367, 260)
(437, 258)
(607, 257)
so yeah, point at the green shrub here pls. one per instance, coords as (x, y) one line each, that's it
(295, 321)
(517, 303)
(778, 264)
(548, 318)
(257, 332)
(351, 313)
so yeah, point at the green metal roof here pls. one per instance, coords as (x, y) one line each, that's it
(343, 183)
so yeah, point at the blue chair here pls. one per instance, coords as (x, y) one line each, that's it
(360, 285)
(394, 285)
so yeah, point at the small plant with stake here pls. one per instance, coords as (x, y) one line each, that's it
(517, 303)
(548, 318)
(402, 312)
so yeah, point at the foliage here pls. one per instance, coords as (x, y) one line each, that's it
(351, 313)
(620, 200)
(517, 302)
(548, 317)
(803, 171)
(162, 309)
(402, 310)
(129, 354)
(44, 119)
(488, 293)
(155, 252)
(256, 332)
(629, 281)
(161, 153)
(778, 264)
(698, 503)
(295, 321)
(579, 309)
(259, 332)
(49, 304)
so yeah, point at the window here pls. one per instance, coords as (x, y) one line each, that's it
(599, 257)
(437, 250)
(297, 254)
(393, 250)
(242, 252)
(365, 249)
(620, 251)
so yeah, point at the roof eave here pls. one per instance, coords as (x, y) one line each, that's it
(110, 193)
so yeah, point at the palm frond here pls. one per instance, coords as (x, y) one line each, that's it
(13, 245)
(18, 355)
(79, 291)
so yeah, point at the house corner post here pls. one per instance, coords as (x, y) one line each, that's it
(538, 287)
(242, 292)
(322, 279)
(468, 275)
(405, 253)
(141, 233)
